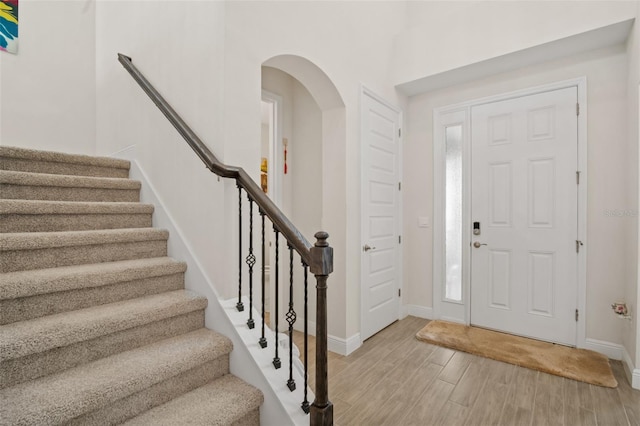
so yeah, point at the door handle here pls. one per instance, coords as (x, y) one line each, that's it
(366, 247)
(478, 244)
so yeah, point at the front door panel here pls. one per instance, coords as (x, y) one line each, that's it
(524, 195)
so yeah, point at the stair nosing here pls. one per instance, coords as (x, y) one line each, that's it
(41, 334)
(109, 379)
(58, 157)
(36, 282)
(40, 240)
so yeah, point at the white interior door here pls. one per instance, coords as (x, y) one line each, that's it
(524, 200)
(381, 275)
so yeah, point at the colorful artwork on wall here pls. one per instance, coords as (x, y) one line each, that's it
(9, 25)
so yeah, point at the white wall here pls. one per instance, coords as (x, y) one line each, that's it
(305, 163)
(179, 46)
(48, 89)
(210, 71)
(443, 36)
(302, 185)
(351, 42)
(606, 71)
(306, 172)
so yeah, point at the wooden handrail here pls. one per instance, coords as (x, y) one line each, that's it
(319, 256)
(284, 225)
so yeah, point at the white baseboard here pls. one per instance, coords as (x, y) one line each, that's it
(633, 374)
(351, 344)
(418, 311)
(338, 344)
(610, 350)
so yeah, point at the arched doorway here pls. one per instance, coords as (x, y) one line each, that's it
(312, 131)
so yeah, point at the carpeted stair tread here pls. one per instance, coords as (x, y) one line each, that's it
(40, 207)
(44, 179)
(41, 334)
(19, 370)
(39, 250)
(56, 216)
(58, 398)
(14, 158)
(41, 281)
(41, 240)
(43, 186)
(32, 293)
(222, 402)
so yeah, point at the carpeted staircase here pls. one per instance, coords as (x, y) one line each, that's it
(95, 324)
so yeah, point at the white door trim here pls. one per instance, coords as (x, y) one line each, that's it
(276, 160)
(364, 91)
(440, 309)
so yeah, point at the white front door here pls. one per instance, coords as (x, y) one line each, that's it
(380, 132)
(524, 206)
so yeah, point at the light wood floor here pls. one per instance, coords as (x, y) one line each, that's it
(394, 379)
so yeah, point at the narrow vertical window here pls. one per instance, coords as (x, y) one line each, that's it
(453, 213)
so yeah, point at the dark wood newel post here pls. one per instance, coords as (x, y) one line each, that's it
(321, 266)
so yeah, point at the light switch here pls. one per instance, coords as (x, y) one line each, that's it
(423, 222)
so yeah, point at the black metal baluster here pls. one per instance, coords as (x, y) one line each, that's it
(251, 260)
(240, 305)
(262, 340)
(276, 360)
(305, 402)
(291, 318)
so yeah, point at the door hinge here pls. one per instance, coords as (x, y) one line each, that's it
(577, 315)
(578, 244)
(399, 293)
(399, 239)
(399, 186)
(577, 108)
(399, 132)
(577, 178)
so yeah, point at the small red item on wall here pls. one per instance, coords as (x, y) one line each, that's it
(285, 142)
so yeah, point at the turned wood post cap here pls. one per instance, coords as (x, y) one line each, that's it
(321, 255)
(321, 239)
